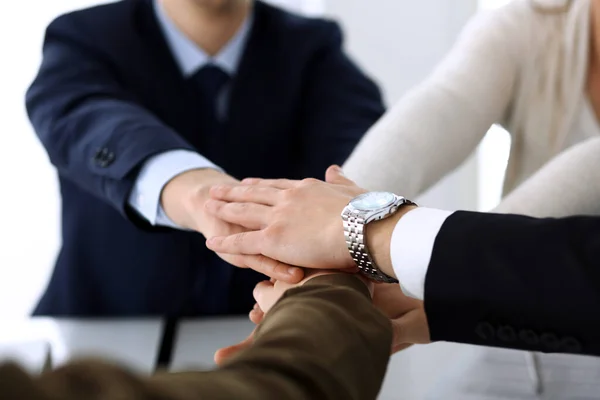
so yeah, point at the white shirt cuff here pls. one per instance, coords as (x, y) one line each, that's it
(412, 245)
(156, 172)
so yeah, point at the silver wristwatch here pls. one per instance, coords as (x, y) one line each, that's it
(361, 210)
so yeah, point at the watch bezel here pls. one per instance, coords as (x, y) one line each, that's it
(376, 214)
(355, 221)
(361, 197)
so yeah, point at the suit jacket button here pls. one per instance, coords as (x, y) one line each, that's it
(529, 337)
(550, 341)
(485, 331)
(103, 157)
(506, 334)
(570, 345)
(110, 157)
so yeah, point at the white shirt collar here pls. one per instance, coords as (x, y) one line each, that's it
(190, 57)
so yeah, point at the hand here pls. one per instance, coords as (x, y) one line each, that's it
(295, 222)
(267, 294)
(183, 199)
(407, 316)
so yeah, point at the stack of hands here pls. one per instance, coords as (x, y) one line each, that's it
(275, 226)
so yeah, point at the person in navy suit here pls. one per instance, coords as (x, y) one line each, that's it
(144, 105)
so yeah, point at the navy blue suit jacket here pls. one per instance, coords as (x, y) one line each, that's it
(109, 95)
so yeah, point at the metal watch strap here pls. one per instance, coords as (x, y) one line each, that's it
(354, 225)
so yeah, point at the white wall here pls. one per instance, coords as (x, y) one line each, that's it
(492, 155)
(29, 231)
(306, 7)
(399, 42)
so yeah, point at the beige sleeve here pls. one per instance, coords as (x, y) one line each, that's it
(435, 127)
(567, 185)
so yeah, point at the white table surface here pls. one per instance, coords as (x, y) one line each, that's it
(197, 341)
(133, 343)
(501, 374)
(441, 370)
(32, 355)
(411, 373)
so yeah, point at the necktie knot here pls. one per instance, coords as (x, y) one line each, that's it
(210, 80)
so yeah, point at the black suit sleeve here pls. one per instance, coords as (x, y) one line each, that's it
(339, 104)
(518, 282)
(96, 132)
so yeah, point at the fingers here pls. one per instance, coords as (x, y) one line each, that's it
(265, 296)
(261, 291)
(245, 194)
(256, 315)
(334, 174)
(411, 327)
(313, 273)
(274, 183)
(274, 269)
(249, 243)
(249, 215)
(222, 355)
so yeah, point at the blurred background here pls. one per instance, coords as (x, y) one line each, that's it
(397, 41)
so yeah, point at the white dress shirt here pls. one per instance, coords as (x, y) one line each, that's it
(414, 235)
(412, 245)
(158, 170)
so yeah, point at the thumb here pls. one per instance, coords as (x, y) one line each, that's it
(224, 354)
(334, 174)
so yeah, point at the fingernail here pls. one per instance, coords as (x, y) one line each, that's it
(292, 270)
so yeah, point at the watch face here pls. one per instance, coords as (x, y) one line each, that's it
(373, 201)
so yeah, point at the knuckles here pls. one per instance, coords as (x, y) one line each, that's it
(263, 265)
(246, 192)
(239, 239)
(309, 182)
(301, 189)
(238, 208)
(213, 206)
(274, 232)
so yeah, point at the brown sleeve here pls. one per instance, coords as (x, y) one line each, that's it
(323, 340)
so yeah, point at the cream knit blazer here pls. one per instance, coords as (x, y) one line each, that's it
(523, 66)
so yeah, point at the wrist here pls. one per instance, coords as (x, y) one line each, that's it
(336, 278)
(183, 197)
(378, 237)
